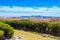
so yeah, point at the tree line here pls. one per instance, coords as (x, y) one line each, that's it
(28, 25)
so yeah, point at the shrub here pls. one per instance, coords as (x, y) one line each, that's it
(56, 27)
(1, 33)
(37, 26)
(8, 30)
(29, 25)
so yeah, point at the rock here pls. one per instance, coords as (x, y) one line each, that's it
(44, 35)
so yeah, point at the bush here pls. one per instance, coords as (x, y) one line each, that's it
(56, 27)
(1, 33)
(44, 26)
(34, 26)
(29, 25)
(8, 30)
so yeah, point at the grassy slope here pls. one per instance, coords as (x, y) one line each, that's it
(30, 36)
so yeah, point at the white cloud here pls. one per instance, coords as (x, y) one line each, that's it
(14, 10)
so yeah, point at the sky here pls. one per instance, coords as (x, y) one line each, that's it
(9, 8)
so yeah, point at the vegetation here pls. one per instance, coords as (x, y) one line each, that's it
(6, 29)
(1, 33)
(31, 35)
(43, 27)
(56, 27)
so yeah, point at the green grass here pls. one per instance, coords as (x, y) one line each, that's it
(30, 35)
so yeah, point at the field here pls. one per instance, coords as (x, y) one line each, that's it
(30, 35)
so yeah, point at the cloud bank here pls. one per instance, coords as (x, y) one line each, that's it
(27, 11)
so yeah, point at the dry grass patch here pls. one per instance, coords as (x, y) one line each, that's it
(31, 35)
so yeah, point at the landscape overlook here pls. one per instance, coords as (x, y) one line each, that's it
(29, 19)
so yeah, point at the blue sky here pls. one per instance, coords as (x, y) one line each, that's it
(29, 7)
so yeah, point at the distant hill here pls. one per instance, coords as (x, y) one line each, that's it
(37, 16)
(33, 16)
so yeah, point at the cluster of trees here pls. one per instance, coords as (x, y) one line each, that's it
(6, 30)
(43, 27)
